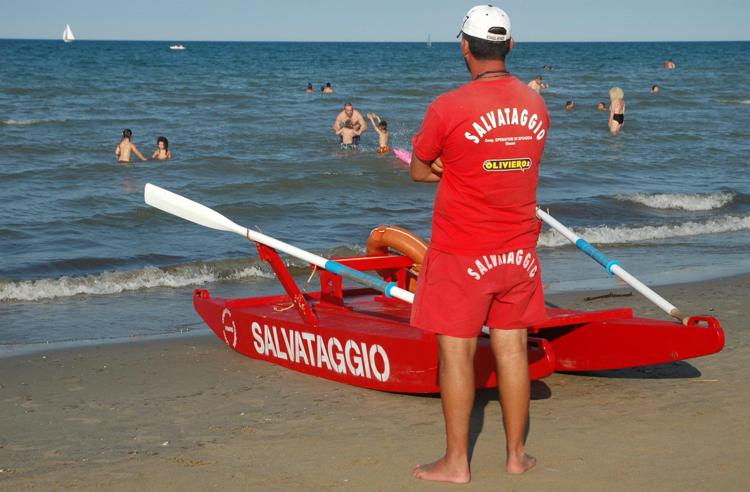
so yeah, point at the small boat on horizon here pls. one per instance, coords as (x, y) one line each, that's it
(68, 36)
(177, 47)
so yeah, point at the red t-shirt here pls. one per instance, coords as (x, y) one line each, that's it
(490, 136)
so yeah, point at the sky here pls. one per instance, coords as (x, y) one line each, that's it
(373, 20)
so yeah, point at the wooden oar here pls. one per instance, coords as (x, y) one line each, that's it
(612, 266)
(200, 214)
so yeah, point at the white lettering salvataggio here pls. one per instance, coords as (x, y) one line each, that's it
(519, 258)
(357, 359)
(505, 117)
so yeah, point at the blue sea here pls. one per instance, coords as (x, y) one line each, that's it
(84, 260)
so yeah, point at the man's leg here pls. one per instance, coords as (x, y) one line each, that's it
(511, 358)
(457, 395)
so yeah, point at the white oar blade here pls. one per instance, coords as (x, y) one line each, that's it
(189, 210)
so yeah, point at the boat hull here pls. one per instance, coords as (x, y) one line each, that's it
(371, 345)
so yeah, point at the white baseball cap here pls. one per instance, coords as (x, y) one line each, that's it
(480, 19)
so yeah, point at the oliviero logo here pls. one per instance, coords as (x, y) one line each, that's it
(517, 164)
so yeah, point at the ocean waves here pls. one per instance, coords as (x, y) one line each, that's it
(680, 201)
(22, 122)
(605, 234)
(150, 277)
(115, 282)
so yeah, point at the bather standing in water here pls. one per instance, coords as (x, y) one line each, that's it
(125, 147)
(616, 109)
(162, 152)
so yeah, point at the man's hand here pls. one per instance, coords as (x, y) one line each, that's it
(426, 172)
(437, 167)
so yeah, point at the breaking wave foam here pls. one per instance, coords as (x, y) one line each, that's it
(118, 281)
(680, 201)
(20, 122)
(624, 235)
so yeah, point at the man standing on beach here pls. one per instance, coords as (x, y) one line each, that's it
(483, 143)
(349, 113)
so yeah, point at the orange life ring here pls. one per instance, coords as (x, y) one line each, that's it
(401, 240)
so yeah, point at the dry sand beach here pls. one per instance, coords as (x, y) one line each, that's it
(189, 414)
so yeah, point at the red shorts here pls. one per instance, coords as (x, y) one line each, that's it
(457, 295)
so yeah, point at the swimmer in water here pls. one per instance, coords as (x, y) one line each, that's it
(601, 107)
(381, 127)
(616, 109)
(328, 89)
(669, 65)
(654, 89)
(162, 152)
(569, 105)
(125, 147)
(309, 89)
(537, 84)
(347, 133)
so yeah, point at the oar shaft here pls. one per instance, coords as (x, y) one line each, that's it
(612, 266)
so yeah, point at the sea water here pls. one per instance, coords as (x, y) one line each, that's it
(83, 258)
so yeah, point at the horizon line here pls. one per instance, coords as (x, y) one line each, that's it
(349, 41)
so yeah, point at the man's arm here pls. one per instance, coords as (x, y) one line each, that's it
(337, 123)
(362, 122)
(137, 152)
(371, 117)
(425, 172)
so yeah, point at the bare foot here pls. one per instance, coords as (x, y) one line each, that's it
(442, 471)
(520, 464)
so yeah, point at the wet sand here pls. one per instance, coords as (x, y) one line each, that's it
(189, 414)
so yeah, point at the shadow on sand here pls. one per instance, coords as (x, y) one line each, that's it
(670, 370)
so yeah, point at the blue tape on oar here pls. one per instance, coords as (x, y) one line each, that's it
(356, 275)
(597, 255)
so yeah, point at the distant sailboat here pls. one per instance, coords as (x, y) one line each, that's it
(429, 41)
(68, 34)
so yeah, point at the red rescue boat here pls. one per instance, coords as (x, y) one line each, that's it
(361, 337)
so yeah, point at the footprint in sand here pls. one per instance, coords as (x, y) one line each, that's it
(29, 405)
(73, 383)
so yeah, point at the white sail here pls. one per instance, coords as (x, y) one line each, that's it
(68, 34)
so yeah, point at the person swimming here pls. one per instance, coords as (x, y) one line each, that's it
(537, 85)
(669, 65)
(328, 89)
(162, 152)
(309, 89)
(601, 107)
(347, 134)
(616, 109)
(125, 147)
(569, 105)
(381, 127)
(654, 89)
